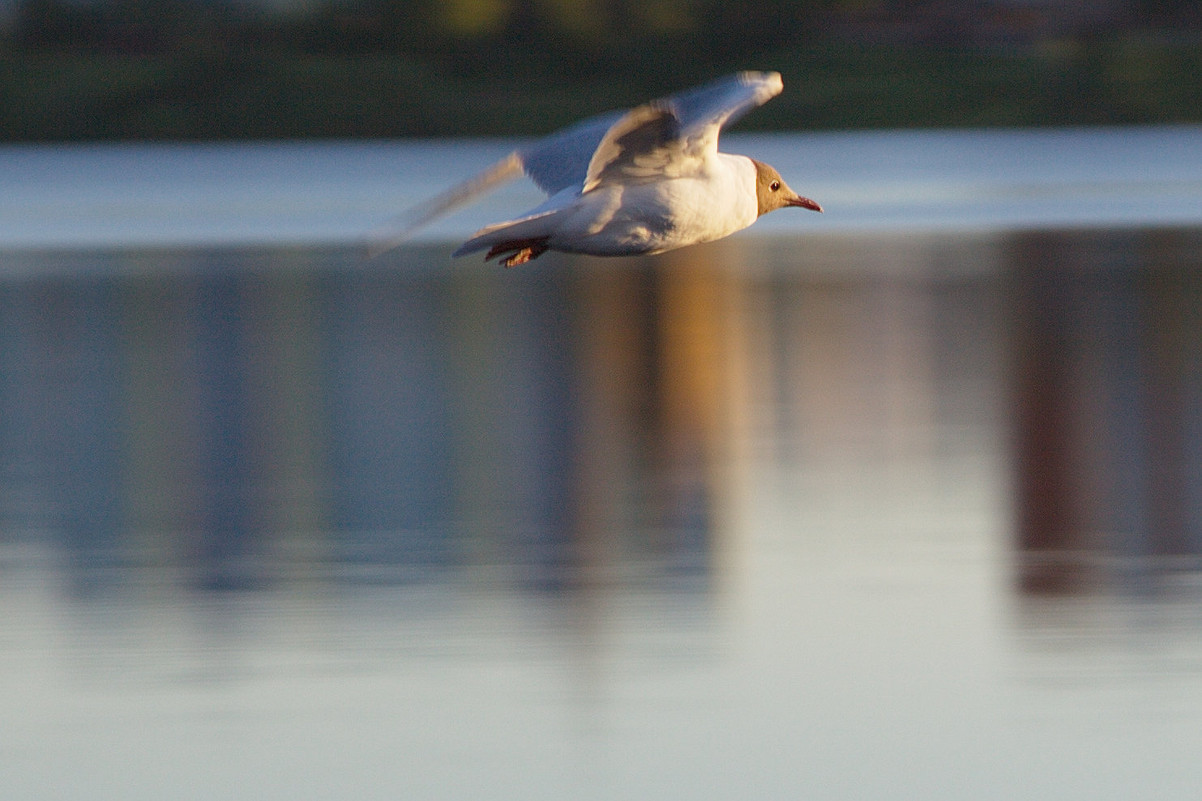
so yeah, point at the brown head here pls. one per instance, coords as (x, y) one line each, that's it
(772, 192)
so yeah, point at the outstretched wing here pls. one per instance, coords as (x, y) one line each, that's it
(642, 146)
(704, 111)
(626, 146)
(672, 136)
(554, 162)
(561, 160)
(693, 117)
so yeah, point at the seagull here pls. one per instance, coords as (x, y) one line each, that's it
(642, 181)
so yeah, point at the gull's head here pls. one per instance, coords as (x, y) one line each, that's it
(773, 193)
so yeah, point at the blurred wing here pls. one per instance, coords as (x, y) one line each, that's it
(553, 163)
(671, 137)
(561, 159)
(396, 231)
(659, 138)
(704, 111)
(574, 155)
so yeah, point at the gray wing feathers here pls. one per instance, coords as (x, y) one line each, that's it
(561, 159)
(708, 108)
(670, 136)
(639, 146)
(625, 146)
(579, 154)
(554, 162)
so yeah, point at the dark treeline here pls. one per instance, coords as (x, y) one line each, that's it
(114, 69)
(467, 37)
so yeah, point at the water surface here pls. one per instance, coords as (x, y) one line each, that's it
(887, 513)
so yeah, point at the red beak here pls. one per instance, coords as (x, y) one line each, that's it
(804, 203)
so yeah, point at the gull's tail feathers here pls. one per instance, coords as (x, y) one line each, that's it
(396, 231)
(534, 228)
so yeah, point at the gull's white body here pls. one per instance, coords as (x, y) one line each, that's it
(646, 180)
(620, 219)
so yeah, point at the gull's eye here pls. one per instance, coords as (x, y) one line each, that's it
(774, 186)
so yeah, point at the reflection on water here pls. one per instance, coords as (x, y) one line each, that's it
(229, 411)
(1108, 405)
(769, 518)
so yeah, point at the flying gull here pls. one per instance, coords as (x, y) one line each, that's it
(632, 182)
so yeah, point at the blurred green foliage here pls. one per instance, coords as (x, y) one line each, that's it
(188, 69)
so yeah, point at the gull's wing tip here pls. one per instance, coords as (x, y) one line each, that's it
(758, 76)
(767, 84)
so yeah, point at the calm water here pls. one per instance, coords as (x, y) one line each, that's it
(857, 511)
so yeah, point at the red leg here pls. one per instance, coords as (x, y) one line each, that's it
(520, 251)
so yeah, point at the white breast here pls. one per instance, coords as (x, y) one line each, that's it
(664, 214)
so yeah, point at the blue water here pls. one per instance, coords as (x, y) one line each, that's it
(851, 506)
